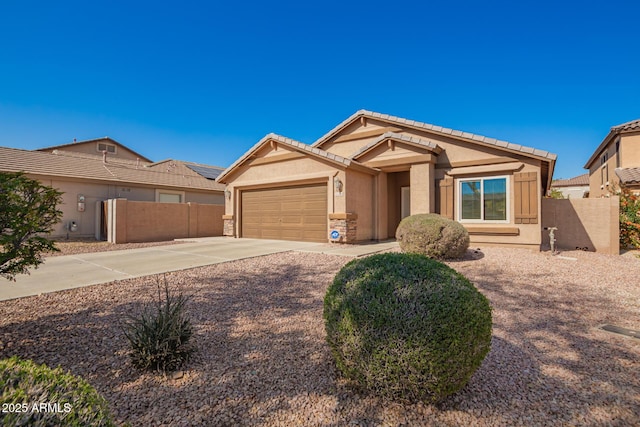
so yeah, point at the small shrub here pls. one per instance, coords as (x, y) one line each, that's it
(405, 326)
(159, 336)
(433, 236)
(66, 400)
(629, 220)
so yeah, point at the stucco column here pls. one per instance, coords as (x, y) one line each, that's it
(422, 188)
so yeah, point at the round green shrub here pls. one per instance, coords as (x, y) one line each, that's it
(36, 395)
(406, 327)
(433, 236)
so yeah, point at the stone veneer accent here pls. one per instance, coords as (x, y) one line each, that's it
(346, 224)
(228, 225)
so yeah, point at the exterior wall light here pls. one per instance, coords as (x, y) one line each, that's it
(227, 194)
(338, 184)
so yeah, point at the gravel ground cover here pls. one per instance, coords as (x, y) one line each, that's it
(76, 247)
(262, 359)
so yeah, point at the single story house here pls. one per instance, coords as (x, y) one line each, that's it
(359, 180)
(615, 162)
(572, 188)
(90, 172)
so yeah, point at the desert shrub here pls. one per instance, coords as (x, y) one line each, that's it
(160, 335)
(28, 211)
(432, 235)
(36, 395)
(629, 220)
(406, 326)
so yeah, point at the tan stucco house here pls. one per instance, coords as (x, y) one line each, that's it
(359, 180)
(616, 161)
(90, 172)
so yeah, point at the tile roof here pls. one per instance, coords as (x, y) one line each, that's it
(576, 181)
(628, 175)
(437, 129)
(632, 125)
(413, 140)
(86, 166)
(300, 146)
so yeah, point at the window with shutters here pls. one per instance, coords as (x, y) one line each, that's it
(483, 199)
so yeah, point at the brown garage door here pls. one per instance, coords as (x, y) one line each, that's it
(289, 213)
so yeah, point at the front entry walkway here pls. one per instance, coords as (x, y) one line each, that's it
(74, 271)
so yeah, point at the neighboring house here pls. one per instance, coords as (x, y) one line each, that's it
(359, 180)
(99, 147)
(572, 188)
(616, 161)
(88, 173)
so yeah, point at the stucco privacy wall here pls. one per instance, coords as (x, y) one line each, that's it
(96, 191)
(587, 224)
(130, 221)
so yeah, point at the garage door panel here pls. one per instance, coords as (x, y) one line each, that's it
(292, 220)
(290, 213)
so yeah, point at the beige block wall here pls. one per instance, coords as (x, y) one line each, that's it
(149, 221)
(588, 224)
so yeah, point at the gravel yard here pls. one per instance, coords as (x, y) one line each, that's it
(76, 247)
(262, 359)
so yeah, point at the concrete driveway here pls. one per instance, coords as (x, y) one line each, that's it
(73, 271)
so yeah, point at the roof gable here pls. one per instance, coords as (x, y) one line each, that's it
(305, 149)
(87, 146)
(460, 135)
(397, 137)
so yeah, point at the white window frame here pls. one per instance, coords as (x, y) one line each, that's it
(482, 220)
(180, 193)
(107, 145)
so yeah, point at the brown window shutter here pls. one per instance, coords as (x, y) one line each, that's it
(526, 197)
(446, 198)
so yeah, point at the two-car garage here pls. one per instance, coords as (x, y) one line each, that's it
(285, 213)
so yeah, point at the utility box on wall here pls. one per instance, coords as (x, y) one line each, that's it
(81, 205)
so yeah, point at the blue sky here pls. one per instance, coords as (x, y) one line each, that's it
(204, 81)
